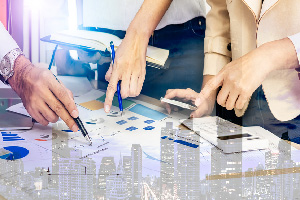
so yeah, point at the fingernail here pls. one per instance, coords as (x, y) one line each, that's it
(74, 128)
(198, 102)
(75, 114)
(169, 110)
(107, 108)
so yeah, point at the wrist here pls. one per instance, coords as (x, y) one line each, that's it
(135, 31)
(7, 64)
(21, 69)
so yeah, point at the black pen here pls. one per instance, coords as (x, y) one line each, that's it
(77, 120)
(83, 130)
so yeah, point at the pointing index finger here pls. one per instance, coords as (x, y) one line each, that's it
(111, 89)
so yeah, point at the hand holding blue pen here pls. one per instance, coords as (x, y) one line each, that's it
(118, 85)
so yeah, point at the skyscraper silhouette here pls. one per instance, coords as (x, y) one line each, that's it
(137, 179)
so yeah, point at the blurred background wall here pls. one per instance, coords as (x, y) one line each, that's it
(3, 12)
(29, 20)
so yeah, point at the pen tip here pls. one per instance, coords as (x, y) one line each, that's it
(89, 140)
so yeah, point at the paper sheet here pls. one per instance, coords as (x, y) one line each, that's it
(32, 146)
(89, 96)
(19, 108)
(92, 105)
(2, 86)
(140, 124)
(129, 105)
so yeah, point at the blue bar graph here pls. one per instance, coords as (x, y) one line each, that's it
(8, 137)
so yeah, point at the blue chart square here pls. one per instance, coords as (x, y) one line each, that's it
(133, 118)
(147, 112)
(132, 128)
(149, 128)
(121, 122)
(149, 121)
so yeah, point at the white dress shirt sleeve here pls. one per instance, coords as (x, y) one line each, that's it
(296, 41)
(118, 14)
(7, 43)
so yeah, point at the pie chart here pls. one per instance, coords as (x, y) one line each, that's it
(13, 153)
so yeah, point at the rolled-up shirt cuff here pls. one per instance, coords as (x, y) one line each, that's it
(296, 41)
(7, 42)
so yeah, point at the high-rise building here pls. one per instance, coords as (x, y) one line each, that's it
(226, 164)
(187, 166)
(220, 164)
(167, 166)
(284, 181)
(136, 170)
(76, 177)
(58, 147)
(116, 185)
(107, 167)
(127, 173)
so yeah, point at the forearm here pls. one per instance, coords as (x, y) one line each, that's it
(283, 54)
(148, 17)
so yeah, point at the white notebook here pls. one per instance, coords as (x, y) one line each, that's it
(99, 41)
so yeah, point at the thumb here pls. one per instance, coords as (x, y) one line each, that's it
(209, 87)
(201, 111)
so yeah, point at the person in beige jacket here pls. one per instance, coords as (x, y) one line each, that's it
(250, 43)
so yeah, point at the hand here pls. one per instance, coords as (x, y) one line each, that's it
(189, 95)
(43, 96)
(240, 78)
(129, 66)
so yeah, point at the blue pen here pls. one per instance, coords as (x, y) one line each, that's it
(118, 86)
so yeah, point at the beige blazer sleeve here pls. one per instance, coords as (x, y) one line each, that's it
(217, 38)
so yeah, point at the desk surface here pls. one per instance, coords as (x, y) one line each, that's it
(169, 162)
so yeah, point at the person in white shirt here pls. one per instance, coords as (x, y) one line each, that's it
(175, 25)
(43, 96)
